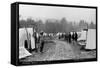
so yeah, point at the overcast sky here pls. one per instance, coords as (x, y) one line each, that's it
(50, 12)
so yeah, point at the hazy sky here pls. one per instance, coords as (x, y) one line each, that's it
(48, 12)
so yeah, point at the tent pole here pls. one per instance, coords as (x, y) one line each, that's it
(86, 33)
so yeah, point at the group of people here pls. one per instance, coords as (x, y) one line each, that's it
(71, 36)
(39, 39)
(38, 42)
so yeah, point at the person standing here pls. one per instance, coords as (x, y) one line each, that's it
(41, 42)
(66, 36)
(69, 37)
(35, 37)
(73, 36)
(76, 36)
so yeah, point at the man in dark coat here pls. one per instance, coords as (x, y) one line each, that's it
(76, 36)
(41, 42)
(69, 37)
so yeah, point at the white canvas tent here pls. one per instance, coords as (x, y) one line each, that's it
(91, 39)
(82, 35)
(22, 37)
(30, 31)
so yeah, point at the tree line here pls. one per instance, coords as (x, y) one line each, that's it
(54, 26)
